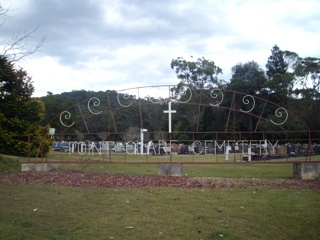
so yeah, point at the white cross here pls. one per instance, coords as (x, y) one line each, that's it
(169, 111)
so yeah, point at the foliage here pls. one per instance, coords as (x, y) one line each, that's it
(290, 81)
(309, 68)
(198, 73)
(20, 114)
(276, 63)
(280, 81)
(247, 77)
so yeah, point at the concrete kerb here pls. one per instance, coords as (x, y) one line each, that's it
(306, 171)
(175, 169)
(39, 167)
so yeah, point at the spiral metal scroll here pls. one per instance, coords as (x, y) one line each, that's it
(246, 101)
(150, 100)
(183, 91)
(279, 114)
(215, 96)
(126, 96)
(67, 116)
(96, 103)
(157, 90)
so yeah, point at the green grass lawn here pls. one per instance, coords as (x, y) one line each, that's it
(40, 211)
(119, 164)
(194, 170)
(129, 158)
(50, 211)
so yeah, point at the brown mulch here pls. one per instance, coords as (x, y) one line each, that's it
(91, 179)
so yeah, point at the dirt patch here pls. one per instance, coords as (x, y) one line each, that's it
(91, 179)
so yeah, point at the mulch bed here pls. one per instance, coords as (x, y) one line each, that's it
(91, 179)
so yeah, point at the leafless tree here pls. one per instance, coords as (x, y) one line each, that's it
(3, 14)
(17, 47)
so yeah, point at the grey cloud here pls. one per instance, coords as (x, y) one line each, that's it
(74, 25)
(79, 33)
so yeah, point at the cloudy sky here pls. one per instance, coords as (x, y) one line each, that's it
(118, 44)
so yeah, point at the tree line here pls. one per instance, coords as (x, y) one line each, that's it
(289, 80)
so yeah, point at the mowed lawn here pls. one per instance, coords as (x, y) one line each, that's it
(51, 211)
(43, 211)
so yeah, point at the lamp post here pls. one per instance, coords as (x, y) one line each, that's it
(142, 130)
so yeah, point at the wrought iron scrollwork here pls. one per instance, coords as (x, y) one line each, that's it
(67, 115)
(125, 96)
(246, 101)
(152, 101)
(214, 95)
(279, 114)
(183, 91)
(96, 103)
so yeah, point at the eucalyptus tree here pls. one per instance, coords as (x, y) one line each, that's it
(307, 71)
(199, 73)
(307, 74)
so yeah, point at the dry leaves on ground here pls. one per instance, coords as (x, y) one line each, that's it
(92, 179)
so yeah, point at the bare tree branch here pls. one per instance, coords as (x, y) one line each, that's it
(3, 14)
(17, 47)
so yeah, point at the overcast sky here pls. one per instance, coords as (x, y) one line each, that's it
(104, 45)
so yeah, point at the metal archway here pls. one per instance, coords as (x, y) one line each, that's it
(270, 119)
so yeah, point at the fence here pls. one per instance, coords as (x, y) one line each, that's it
(221, 149)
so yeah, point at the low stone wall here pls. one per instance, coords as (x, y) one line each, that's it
(39, 167)
(310, 171)
(170, 169)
